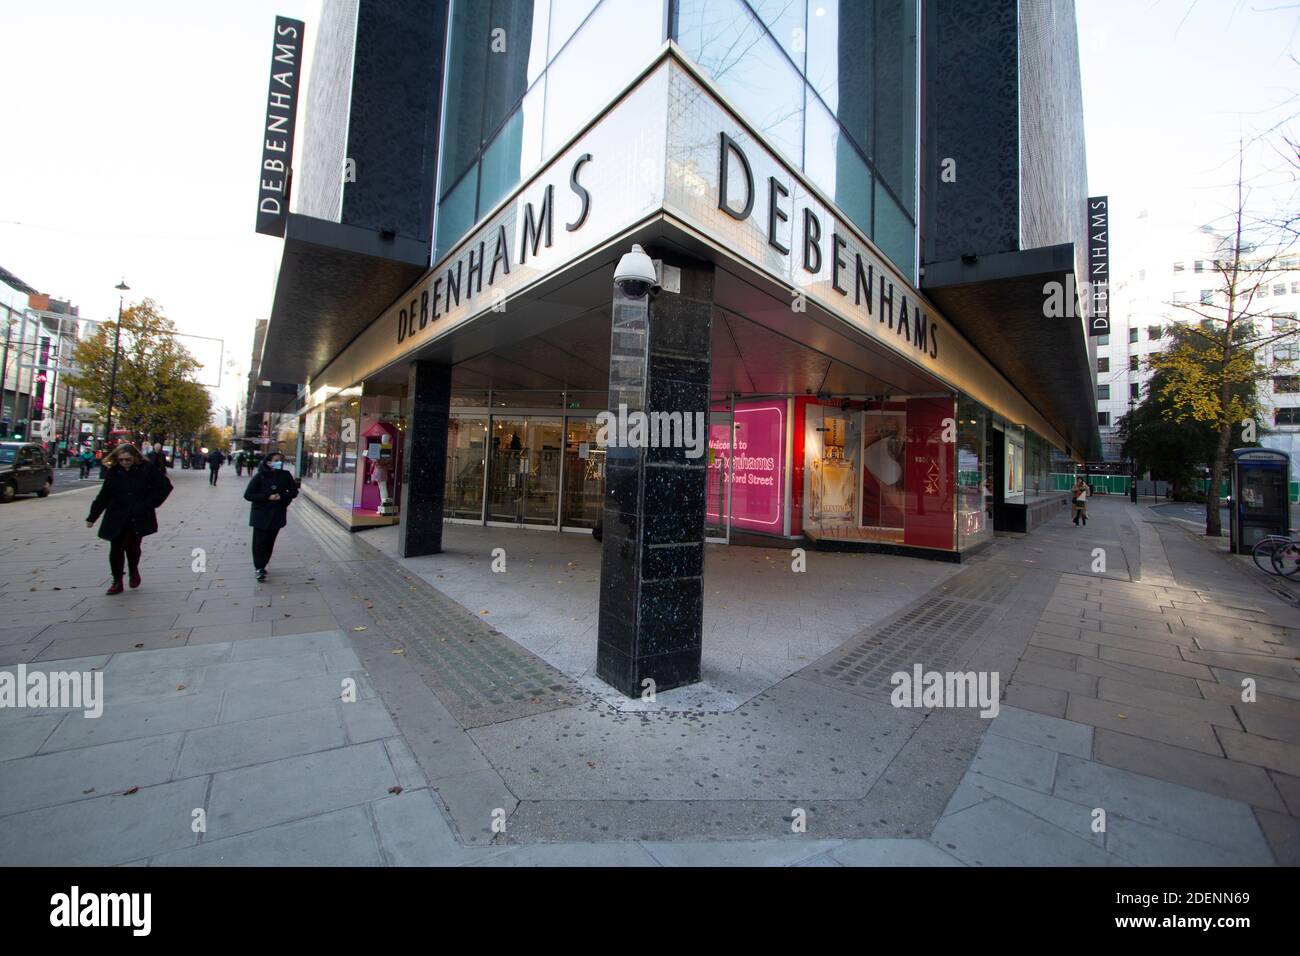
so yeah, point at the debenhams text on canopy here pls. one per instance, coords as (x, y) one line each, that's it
(853, 270)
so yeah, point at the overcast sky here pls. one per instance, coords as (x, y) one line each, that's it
(1170, 87)
(131, 137)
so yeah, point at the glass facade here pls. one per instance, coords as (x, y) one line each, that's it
(352, 452)
(974, 474)
(523, 76)
(526, 467)
(833, 86)
(878, 472)
(843, 469)
(330, 443)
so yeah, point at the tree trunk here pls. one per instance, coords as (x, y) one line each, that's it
(1213, 526)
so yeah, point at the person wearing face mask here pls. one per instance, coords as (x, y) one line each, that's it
(131, 492)
(270, 491)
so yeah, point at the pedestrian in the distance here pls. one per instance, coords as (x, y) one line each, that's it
(86, 459)
(270, 492)
(1079, 498)
(131, 492)
(157, 457)
(215, 458)
(239, 464)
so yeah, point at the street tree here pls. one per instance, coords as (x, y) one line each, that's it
(1213, 373)
(1175, 448)
(155, 392)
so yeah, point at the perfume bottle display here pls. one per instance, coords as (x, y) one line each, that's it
(833, 476)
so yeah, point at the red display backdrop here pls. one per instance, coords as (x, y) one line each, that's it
(931, 471)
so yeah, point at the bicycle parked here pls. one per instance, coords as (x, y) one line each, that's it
(1278, 554)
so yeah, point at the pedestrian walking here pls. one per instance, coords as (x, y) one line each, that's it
(1079, 498)
(215, 458)
(86, 460)
(132, 491)
(157, 457)
(239, 464)
(270, 492)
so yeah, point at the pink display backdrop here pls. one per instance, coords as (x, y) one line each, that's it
(758, 479)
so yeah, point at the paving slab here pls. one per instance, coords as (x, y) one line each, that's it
(788, 851)
(244, 743)
(572, 854)
(1141, 722)
(997, 833)
(1191, 768)
(413, 832)
(1063, 736)
(1016, 762)
(46, 779)
(1261, 751)
(1167, 806)
(341, 838)
(135, 720)
(297, 787)
(105, 831)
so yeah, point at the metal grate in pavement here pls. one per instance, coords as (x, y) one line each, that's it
(986, 588)
(478, 673)
(927, 634)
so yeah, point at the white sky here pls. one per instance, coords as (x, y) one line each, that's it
(131, 138)
(1169, 89)
(131, 148)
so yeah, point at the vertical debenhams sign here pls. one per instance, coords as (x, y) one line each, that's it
(277, 135)
(1098, 282)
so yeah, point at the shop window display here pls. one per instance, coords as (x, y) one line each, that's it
(330, 448)
(380, 476)
(875, 471)
(1013, 491)
(974, 477)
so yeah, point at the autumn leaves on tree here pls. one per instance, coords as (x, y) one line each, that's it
(156, 393)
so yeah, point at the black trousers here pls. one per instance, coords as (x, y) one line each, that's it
(212, 473)
(263, 545)
(125, 545)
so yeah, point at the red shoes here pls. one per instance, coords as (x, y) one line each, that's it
(135, 577)
(116, 587)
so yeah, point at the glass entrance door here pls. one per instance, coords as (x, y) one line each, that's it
(524, 473)
(466, 459)
(584, 475)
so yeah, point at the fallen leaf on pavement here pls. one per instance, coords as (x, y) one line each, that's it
(131, 791)
(394, 789)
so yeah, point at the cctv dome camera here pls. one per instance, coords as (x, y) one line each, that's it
(635, 274)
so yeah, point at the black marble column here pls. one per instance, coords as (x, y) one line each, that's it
(652, 560)
(424, 458)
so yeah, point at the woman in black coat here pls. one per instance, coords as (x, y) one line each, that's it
(132, 489)
(270, 491)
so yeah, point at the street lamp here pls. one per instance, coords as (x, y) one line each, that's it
(122, 288)
(1132, 459)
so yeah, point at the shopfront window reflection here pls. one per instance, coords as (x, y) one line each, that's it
(974, 476)
(524, 470)
(330, 448)
(466, 460)
(584, 474)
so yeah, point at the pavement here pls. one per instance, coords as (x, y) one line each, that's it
(358, 709)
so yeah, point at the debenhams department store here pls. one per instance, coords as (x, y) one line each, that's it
(844, 407)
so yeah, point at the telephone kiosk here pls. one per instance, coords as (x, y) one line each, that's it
(1260, 504)
(379, 488)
